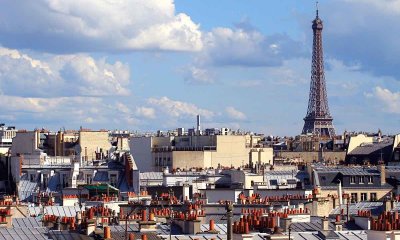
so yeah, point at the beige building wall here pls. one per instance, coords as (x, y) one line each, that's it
(188, 159)
(161, 141)
(246, 178)
(92, 142)
(309, 157)
(123, 144)
(231, 150)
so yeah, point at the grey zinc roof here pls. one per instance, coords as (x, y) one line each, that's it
(374, 207)
(353, 170)
(370, 148)
(26, 189)
(67, 235)
(23, 234)
(352, 235)
(54, 182)
(316, 225)
(59, 211)
(27, 222)
(118, 232)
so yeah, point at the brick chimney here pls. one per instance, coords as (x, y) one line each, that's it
(338, 224)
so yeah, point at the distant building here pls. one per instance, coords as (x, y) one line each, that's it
(365, 149)
(6, 136)
(357, 182)
(93, 145)
(204, 151)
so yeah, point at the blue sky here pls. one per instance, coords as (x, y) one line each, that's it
(144, 65)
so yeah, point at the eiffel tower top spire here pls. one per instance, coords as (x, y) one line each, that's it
(318, 120)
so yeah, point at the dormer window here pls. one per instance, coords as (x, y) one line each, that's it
(370, 179)
(352, 179)
(361, 180)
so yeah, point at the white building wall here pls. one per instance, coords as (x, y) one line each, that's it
(141, 151)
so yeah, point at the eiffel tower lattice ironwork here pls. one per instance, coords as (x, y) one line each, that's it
(318, 120)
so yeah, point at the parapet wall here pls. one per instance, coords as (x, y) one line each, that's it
(314, 156)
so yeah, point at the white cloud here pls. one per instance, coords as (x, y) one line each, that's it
(235, 114)
(62, 75)
(246, 47)
(146, 112)
(93, 112)
(390, 100)
(178, 109)
(50, 106)
(195, 75)
(97, 25)
(122, 108)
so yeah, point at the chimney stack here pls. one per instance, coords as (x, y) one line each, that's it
(107, 233)
(338, 224)
(325, 224)
(388, 204)
(382, 172)
(229, 215)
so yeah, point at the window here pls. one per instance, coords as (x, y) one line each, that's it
(352, 179)
(363, 196)
(373, 197)
(370, 179)
(88, 179)
(361, 180)
(113, 180)
(273, 182)
(291, 181)
(45, 181)
(65, 180)
(354, 197)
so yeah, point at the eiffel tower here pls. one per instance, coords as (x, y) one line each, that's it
(318, 120)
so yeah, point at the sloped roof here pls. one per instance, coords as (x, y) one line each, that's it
(374, 207)
(371, 148)
(101, 176)
(27, 222)
(24, 233)
(315, 224)
(59, 211)
(26, 189)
